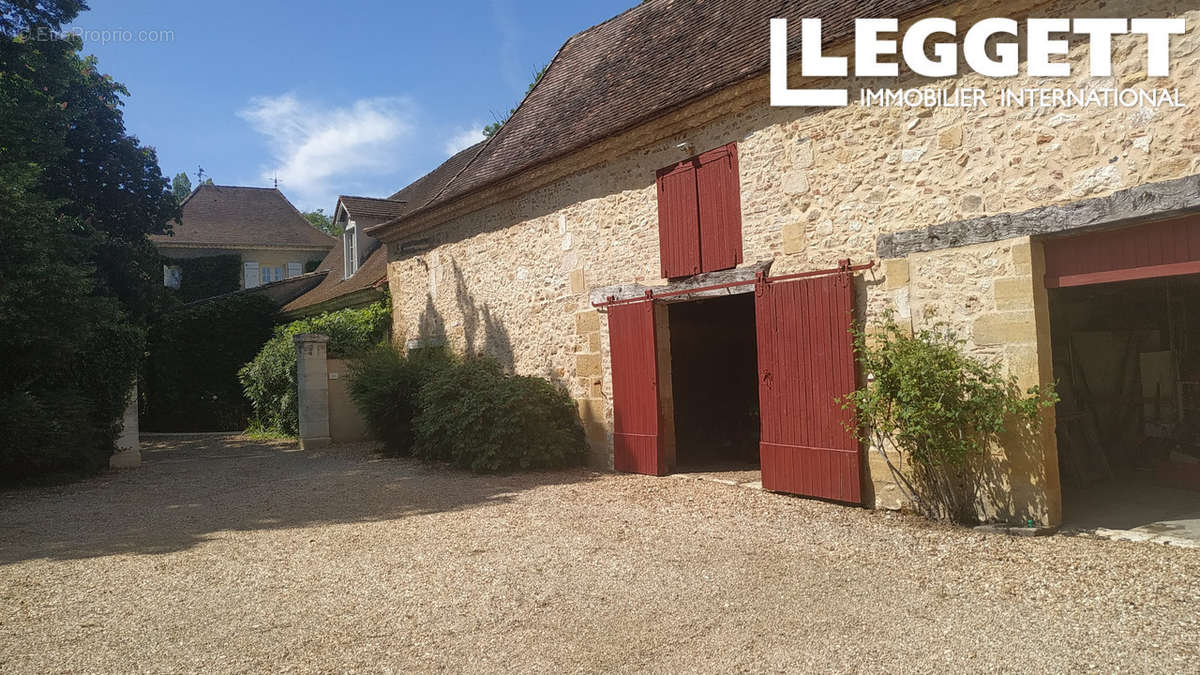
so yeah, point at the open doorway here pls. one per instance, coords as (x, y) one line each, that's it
(714, 380)
(1127, 368)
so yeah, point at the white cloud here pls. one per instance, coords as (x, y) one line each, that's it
(317, 150)
(463, 139)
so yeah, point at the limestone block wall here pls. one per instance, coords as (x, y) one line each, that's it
(511, 278)
(993, 296)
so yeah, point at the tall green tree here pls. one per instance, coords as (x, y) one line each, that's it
(323, 222)
(181, 186)
(78, 276)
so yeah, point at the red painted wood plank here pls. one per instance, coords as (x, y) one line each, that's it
(678, 220)
(806, 365)
(1165, 248)
(719, 196)
(636, 440)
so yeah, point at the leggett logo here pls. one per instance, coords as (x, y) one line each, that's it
(1043, 59)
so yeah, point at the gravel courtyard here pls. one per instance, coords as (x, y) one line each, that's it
(225, 554)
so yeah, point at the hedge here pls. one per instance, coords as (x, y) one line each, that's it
(269, 380)
(468, 412)
(190, 379)
(383, 385)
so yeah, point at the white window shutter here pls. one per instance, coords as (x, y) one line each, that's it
(294, 269)
(250, 275)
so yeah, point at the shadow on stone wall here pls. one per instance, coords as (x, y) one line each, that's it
(1013, 481)
(483, 333)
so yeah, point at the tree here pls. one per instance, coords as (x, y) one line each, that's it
(323, 223)
(181, 186)
(79, 278)
(491, 129)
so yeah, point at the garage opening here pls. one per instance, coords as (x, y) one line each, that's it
(1127, 367)
(714, 380)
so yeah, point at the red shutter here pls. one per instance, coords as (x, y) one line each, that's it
(720, 209)
(806, 364)
(636, 447)
(678, 220)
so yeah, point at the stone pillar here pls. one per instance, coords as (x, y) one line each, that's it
(129, 453)
(312, 381)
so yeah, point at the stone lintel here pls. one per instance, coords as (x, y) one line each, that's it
(630, 291)
(1152, 201)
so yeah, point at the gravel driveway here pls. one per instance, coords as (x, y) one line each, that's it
(224, 554)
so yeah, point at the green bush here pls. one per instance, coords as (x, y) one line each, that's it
(384, 384)
(939, 410)
(194, 353)
(269, 380)
(208, 276)
(474, 415)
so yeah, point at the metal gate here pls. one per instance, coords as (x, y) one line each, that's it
(636, 441)
(806, 365)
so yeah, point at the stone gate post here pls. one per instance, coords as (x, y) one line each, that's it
(312, 381)
(129, 453)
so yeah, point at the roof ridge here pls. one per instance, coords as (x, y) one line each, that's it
(379, 199)
(236, 187)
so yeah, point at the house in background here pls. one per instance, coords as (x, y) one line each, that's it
(259, 225)
(356, 269)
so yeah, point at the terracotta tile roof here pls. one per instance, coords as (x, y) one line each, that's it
(643, 63)
(370, 273)
(225, 215)
(373, 208)
(424, 189)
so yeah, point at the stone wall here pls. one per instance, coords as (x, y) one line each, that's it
(512, 278)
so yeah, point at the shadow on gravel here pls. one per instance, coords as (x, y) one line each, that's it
(191, 487)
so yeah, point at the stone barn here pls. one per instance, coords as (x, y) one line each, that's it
(686, 259)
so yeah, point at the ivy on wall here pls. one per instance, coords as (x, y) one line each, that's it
(208, 276)
(189, 381)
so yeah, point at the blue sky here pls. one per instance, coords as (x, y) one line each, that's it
(337, 98)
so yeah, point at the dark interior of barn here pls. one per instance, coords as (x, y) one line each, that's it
(714, 379)
(1127, 370)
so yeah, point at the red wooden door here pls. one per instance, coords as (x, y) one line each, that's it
(636, 441)
(806, 364)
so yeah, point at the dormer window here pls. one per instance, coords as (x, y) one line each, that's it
(350, 248)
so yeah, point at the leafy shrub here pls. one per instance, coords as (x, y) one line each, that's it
(191, 373)
(939, 409)
(384, 384)
(269, 380)
(208, 276)
(476, 416)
